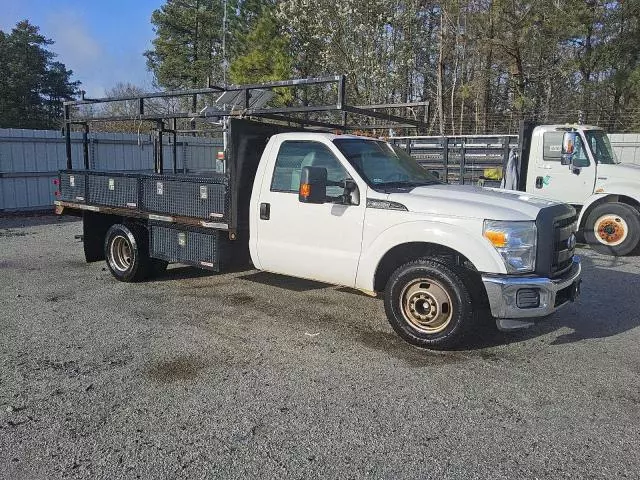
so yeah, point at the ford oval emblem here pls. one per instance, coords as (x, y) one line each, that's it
(572, 241)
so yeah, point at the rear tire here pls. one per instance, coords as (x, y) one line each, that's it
(127, 254)
(613, 229)
(428, 304)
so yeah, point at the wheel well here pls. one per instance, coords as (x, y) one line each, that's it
(401, 254)
(94, 230)
(632, 202)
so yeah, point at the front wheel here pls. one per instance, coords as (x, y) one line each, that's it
(613, 229)
(428, 304)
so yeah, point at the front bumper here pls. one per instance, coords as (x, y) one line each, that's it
(502, 291)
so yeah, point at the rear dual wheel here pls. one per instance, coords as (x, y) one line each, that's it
(126, 250)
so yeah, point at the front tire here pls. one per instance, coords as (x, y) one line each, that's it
(126, 254)
(428, 304)
(613, 229)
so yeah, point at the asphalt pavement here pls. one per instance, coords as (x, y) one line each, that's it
(254, 375)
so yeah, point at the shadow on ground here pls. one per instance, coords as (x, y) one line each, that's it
(608, 306)
(283, 281)
(33, 220)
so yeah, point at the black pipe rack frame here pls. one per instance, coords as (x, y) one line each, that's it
(278, 114)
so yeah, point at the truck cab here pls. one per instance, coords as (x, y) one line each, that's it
(590, 177)
(356, 212)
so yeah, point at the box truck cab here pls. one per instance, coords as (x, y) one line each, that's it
(588, 175)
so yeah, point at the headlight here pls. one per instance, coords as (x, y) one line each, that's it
(515, 242)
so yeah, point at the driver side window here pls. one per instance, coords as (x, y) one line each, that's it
(580, 158)
(294, 155)
(552, 149)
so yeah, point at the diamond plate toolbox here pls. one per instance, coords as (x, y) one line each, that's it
(113, 189)
(192, 246)
(195, 197)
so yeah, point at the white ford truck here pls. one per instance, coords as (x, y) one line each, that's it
(344, 210)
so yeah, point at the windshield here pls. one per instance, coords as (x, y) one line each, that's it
(600, 146)
(383, 166)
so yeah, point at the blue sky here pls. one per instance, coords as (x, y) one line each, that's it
(101, 41)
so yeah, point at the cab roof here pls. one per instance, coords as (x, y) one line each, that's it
(566, 127)
(317, 135)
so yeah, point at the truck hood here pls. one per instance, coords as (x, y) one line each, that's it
(472, 202)
(628, 172)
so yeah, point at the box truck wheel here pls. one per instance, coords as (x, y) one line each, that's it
(127, 253)
(428, 304)
(613, 228)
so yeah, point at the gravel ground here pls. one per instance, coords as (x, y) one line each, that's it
(255, 375)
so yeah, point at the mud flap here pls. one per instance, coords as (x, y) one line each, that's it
(94, 229)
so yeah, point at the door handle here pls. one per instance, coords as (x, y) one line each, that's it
(539, 182)
(265, 211)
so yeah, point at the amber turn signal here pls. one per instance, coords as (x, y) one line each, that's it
(498, 239)
(305, 190)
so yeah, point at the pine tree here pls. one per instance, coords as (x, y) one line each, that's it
(188, 45)
(32, 85)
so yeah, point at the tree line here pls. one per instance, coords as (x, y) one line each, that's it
(482, 64)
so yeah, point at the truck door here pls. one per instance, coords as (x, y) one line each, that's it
(319, 242)
(550, 179)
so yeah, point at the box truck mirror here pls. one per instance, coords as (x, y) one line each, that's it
(569, 140)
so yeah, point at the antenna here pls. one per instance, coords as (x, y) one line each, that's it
(224, 44)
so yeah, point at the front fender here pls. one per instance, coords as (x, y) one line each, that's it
(608, 193)
(475, 247)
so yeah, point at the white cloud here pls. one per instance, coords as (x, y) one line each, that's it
(72, 38)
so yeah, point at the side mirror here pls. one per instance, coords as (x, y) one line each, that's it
(351, 195)
(568, 147)
(313, 185)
